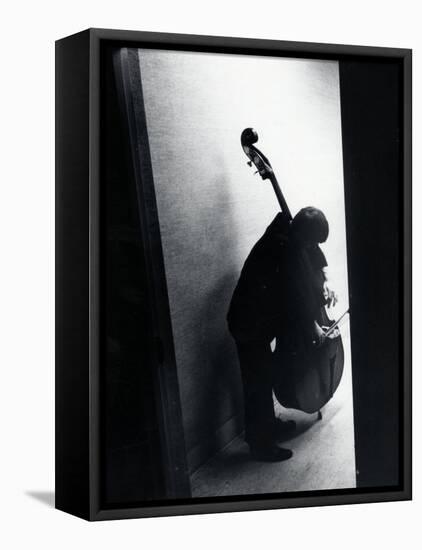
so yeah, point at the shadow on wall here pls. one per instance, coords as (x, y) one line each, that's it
(214, 415)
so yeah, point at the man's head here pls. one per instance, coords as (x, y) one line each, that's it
(309, 227)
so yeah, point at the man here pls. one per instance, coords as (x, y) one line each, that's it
(279, 295)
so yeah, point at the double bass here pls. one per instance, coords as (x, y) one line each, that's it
(303, 379)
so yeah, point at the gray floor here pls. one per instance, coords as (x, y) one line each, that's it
(323, 454)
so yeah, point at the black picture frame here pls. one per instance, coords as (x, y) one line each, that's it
(79, 270)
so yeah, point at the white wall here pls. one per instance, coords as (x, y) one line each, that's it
(27, 274)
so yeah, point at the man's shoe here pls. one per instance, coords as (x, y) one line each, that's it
(271, 453)
(284, 427)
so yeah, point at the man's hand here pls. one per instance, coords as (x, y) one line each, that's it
(319, 335)
(335, 333)
(330, 296)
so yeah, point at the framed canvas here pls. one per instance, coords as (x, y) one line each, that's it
(227, 340)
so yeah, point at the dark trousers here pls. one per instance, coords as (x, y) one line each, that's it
(255, 358)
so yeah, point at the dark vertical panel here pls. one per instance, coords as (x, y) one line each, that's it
(72, 274)
(132, 469)
(371, 95)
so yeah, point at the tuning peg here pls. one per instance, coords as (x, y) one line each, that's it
(249, 163)
(257, 172)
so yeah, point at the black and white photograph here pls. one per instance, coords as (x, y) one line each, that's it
(229, 366)
(255, 268)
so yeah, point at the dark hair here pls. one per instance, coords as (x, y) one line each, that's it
(310, 224)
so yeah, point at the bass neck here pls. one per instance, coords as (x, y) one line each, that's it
(280, 197)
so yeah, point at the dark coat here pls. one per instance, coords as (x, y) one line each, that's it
(279, 292)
